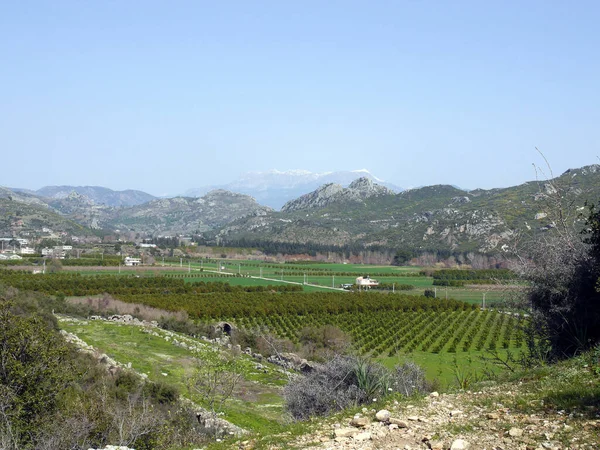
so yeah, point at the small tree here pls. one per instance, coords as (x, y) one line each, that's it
(214, 382)
(34, 371)
(563, 269)
(55, 265)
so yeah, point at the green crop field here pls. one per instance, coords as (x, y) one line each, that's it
(314, 277)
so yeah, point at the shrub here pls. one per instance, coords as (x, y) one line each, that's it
(332, 387)
(563, 271)
(347, 381)
(409, 379)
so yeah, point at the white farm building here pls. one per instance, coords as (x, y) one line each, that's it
(366, 282)
(132, 261)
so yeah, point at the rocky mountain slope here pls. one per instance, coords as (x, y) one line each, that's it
(432, 217)
(359, 190)
(97, 194)
(18, 218)
(186, 215)
(172, 216)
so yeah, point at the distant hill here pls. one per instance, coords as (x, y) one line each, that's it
(186, 215)
(98, 194)
(28, 218)
(178, 215)
(360, 189)
(431, 217)
(274, 188)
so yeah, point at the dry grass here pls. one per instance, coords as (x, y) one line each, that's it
(105, 304)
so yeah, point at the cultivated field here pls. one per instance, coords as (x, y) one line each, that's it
(437, 333)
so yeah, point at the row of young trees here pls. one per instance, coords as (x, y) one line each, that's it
(232, 305)
(74, 284)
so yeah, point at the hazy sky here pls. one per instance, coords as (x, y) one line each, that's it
(165, 96)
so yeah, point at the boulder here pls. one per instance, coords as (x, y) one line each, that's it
(383, 415)
(360, 422)
(515, 432)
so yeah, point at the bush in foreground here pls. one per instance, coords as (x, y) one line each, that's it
(348, 381)
(563, 274)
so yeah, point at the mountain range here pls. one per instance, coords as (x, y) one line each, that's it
(97, 194)
(440, 217)
(363, 213)
(274, 188)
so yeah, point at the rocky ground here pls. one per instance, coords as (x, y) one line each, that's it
(485, 419)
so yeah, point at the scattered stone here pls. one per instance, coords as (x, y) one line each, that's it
(413, 418)
(345, 432)
(455, 413)
(460, 444)
(383, 415)
(434, 394)
(493, 416)
(365, 436)
(437, 445)
(360, 422)
(399, 423)
(515, 432)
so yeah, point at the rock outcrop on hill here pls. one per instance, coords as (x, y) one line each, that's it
(187, 215)
(359, 190)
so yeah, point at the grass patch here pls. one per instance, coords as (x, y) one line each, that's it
(257, 403)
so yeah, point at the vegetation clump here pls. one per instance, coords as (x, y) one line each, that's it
(52, 396)
(348, 381)
(563, 293)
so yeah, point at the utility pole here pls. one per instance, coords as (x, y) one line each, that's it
(163, 261)
(180, 262)
(304, 279)
(393, 288)
(434, 292)
(239, 269)
(332, 281)
(484, 300)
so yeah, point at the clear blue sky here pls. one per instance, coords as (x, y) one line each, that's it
(165, 96)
